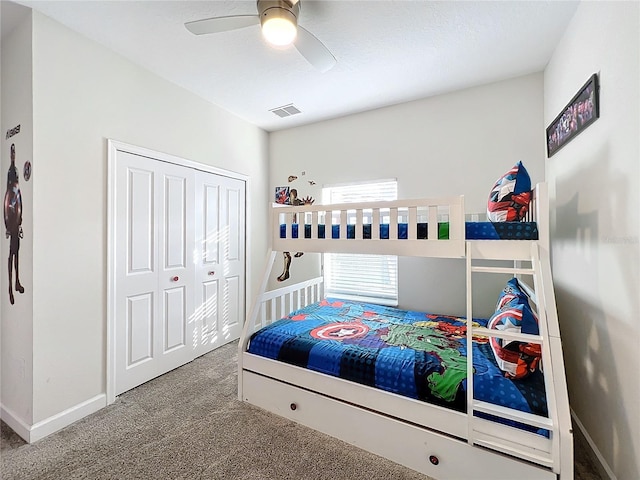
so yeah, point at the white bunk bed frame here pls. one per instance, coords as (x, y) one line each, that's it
(436, 441)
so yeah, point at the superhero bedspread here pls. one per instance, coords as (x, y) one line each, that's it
(473, 231)
(415, 354)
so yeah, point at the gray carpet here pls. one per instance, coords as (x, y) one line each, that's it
(188, 424)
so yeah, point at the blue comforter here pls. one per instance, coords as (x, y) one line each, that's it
(415, 354)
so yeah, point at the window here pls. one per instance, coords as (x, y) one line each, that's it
(372, 278)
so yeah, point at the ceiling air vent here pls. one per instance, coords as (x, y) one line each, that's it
(285, 110)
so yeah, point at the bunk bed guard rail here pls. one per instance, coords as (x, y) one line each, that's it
(432, 227)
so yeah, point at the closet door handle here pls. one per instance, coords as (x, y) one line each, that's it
(211, 273)
(175, 279)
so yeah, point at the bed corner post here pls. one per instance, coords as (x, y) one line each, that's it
(542, 214)
(559, 380)
(250, 321)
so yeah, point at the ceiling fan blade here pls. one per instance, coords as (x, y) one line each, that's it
(314, 50)
(221, 24)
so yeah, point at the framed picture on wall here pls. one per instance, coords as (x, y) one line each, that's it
(580, 112)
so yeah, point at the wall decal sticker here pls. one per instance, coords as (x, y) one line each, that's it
(282, 195)
(27, 171)
(13, 223)
(295, 201)
(13, 131)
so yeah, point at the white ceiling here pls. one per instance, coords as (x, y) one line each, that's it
(388, 52)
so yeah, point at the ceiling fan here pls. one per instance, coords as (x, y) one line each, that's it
(279, 22)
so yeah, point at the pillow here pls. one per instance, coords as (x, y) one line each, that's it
(510, 196)
(513, 313)
(512, 294)
(515, 358)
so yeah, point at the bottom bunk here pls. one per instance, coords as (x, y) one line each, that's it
(414, 354)
(400, 384)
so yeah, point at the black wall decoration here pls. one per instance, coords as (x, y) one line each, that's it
(13, 224)
(580, 112)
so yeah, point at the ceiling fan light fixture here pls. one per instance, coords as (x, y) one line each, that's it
(279, 22)
(279, 26)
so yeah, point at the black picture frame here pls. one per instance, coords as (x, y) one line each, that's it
(580, 112)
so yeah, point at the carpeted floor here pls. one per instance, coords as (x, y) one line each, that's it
(188, 424)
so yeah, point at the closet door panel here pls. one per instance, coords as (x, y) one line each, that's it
(175, 222)
(175, 321)
(139, 328)
(220, 268)
(177, 270)
(233, 225)
(154, 269)
(136, 275)
(207, 317)
(233, 220)
(208, 271)
(140, 227)
(211, 234)
(232, 314)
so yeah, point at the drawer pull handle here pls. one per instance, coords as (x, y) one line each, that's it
(293, 406)
(434, 460)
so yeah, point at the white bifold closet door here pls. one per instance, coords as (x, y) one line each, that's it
(179, 266)
(220, 262)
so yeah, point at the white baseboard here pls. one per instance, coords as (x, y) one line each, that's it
(602, 465)
(15, 422)
(54, 423)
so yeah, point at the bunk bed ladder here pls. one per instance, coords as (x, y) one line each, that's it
(475, 435)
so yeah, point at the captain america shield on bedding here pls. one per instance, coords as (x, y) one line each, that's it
(414, 354)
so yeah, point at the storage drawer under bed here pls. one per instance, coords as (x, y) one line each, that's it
(420, 449)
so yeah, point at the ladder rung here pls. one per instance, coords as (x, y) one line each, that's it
(511, 414)
(516, 450)
(521, 337)
(508, 270)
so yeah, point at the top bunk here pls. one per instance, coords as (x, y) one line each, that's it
(404, 228)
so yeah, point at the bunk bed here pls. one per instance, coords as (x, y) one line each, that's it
(458, 435)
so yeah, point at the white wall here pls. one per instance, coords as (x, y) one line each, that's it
(17, 333)
(595, 239)
(458, 143)
(83, 95)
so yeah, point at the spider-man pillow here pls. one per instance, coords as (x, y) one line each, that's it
(516, 359)
(510, 196)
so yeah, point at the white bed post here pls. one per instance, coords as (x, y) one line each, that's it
(564, 427)
(250, 321)
(469, 270)
(542, 215)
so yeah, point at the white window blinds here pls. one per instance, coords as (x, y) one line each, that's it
(371, 278)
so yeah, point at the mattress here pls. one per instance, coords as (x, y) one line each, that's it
(473, 231)
(414, 354)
